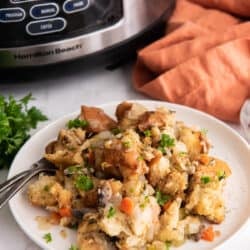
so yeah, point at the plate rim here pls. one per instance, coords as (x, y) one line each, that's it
(115, 103)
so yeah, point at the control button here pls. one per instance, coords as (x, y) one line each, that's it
(11, 15)
(48, 26)
(72, 6)
(44, 10)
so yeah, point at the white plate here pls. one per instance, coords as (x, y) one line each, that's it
(228, 145)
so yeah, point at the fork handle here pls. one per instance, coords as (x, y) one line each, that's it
(19, 185)
(7, 184)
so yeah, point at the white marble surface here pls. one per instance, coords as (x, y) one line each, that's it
(62, 90)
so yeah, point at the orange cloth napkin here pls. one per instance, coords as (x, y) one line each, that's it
(203, 61)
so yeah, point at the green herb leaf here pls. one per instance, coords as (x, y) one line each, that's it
(162, 198)
(16, 121)
(126, 144)
(47, 237)
(166, 141)
(204, 131)
(168, 245)
(182, 153)
(111, 212)
(147, 133)
(84, 183)
(221, 175)
(116, 131)
(46, 188)
(205, 179)
(140, 158)
(77, 169)
(77, 123)
(73, 248)
(145, 202)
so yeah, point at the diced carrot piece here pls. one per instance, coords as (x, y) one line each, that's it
(65, 212)
(127, 206)
(208, 234)
(167, 205)
(204, 159)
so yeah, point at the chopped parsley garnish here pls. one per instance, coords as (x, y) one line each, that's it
(77, 123)
(205, 179)
(204, 131)
(140, 158)
(145, 202)
(162, 198)
(73, 169)
(16, 121)
(147, 133)
(46, 188)
(73, 248)
(116, 131)
(126, 144)
(166, 141)
(47, 237)
(83, 182)
(182, 153)
(111, 212)
(168, 245)
(221, 175)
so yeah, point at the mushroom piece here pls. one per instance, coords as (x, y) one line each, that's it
(104, 193)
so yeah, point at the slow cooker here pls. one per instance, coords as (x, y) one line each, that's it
(43, 32)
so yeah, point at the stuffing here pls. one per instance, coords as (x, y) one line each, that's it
(194, 140)
(97, 120)
(175, 183)
(159, 167)
(47, 192)
(206, 195)
(66, 150)
(128, 114)
(139, 183)
(89, 237)
(160, 118)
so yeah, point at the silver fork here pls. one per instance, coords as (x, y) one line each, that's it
(10, 187)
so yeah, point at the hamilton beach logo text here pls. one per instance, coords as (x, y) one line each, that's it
(45, 53)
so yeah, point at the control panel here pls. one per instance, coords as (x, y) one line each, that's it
(32, 22)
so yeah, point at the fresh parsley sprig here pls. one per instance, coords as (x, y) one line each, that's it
(111, 212)
(162, 198)
(72, 247)
(205, 179)
(16, 121)
(166, 141)
(84, 183)
(47, 237)
(77, 123)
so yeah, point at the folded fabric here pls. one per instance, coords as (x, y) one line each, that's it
(239, 7)
(202, 62)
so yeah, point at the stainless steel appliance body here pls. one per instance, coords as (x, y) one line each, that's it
(42, 32)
